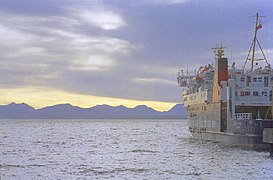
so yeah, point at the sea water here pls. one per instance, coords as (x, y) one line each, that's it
(120, 149)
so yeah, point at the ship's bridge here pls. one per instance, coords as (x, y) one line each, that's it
(254, 88)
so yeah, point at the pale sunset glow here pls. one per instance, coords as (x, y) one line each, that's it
(41, 97)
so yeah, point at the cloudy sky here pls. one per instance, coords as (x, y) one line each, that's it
(118, 52)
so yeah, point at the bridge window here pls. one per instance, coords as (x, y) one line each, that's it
(255, 93)
(264, 93)
(245, 93)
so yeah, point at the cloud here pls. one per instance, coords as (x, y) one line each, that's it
(55, 45)
(154, 81)
(13, 36)
(171, 1)
(83, 42)
(95, 62)
(164, 2)
(106, 20)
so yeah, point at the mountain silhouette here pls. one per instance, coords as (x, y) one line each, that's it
(15, 111)
(68, 111)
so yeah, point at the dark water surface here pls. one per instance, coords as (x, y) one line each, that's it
(120, 149)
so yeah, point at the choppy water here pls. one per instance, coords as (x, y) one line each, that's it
(120, 149)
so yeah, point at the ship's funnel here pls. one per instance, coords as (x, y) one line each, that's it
(220, 74)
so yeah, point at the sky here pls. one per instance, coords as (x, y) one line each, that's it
(118, 52)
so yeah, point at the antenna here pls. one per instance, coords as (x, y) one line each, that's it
(187, 69)
(258, 26)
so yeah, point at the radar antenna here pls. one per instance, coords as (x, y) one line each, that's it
(258, 26)
(219, 51)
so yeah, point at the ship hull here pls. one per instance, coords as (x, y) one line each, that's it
(211, 122)
(244, 141)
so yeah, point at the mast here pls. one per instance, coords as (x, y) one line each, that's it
(258, 26)
(254, 41)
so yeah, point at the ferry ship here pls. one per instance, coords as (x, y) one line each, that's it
(230, 105)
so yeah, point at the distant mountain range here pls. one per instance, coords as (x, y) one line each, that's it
(67, 111)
